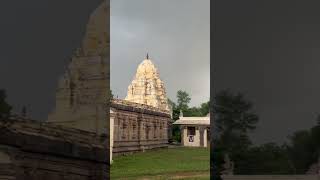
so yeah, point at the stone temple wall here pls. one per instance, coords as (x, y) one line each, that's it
(36, 151)
(138, 127)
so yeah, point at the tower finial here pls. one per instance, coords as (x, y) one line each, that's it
(147, 56)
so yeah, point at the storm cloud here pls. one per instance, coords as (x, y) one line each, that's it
(176, 34)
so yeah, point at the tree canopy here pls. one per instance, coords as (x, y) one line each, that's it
(183, 100)
(5, 108)
(234, 118)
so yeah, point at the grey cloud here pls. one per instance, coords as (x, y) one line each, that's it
(175, 33)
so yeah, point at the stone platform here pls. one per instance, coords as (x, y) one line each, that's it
(31, 150)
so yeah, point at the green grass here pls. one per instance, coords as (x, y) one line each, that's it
(163, 164)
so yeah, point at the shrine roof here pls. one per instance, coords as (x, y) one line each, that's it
(193, 121)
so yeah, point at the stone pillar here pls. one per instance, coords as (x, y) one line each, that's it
(205, 139)
(111, 133)
(169, 130)
(197, 137)
(165, 130)
(184, 135)
(201, 137)
(116, 128)
(140, 130)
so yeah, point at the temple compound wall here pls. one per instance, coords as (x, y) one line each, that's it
(36, 151)
(138, 127)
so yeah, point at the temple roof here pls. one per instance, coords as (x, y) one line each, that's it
(97, 38)
(146, 69)
(193, 121)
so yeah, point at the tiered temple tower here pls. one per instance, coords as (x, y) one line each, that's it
(81, 95)
(147, 87)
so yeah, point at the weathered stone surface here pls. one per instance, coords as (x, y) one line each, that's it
(138, 127)
(82, 91)
(32, 150)
(147, 87)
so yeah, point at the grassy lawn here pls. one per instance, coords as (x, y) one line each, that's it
(177, 163)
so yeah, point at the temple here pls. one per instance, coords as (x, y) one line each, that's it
(139, 122)
(74, 142)
(147, 87)
(142, 120)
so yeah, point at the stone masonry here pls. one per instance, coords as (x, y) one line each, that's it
(82, 91)
(35, 151)
(138, 127)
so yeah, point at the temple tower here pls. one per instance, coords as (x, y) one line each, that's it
(147, 87)
(82, 91)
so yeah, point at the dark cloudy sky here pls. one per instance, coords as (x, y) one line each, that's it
(271, 51)
(176, 33)
(268, 49)
(37, 37)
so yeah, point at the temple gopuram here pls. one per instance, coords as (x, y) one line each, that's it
(74, 142)
(142, 120)
(147, 87)
(82, 90)
(139, 122)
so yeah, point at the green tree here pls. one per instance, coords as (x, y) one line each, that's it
(315, 136)
(5, 108)
(268, 158)
(302, 150)
(234, 118)
(183, 99)
(176, 135)
(192, 112)
(205, 108)
(175, 110)
(304, 147)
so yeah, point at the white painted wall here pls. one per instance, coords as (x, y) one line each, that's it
(195, 143)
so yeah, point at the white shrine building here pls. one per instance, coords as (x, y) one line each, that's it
(195, 131)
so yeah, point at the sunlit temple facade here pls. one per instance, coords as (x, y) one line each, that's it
(142, 120)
